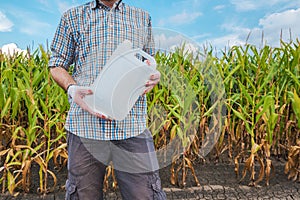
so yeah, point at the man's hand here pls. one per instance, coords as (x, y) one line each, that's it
(77, 93)
(154, 79)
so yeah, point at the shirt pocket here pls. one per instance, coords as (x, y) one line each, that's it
(91, 55)
(134, 33)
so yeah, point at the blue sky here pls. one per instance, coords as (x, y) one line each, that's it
(218, 23)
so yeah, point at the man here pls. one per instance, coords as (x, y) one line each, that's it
(85, 39)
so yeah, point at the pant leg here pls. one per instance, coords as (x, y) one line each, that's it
(141, 186)
(85, 173)
(139, 179)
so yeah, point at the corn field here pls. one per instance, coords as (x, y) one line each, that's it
(260, 122)
(33, 110)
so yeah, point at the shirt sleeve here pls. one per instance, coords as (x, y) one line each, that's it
(62, 46)
(150, 44)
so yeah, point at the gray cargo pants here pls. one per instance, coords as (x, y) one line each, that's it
(87, 166)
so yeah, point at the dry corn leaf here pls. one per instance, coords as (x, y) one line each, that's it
(248, 166)
(190, 166)
(54, 181)
(25, 175)
(236, 166)
(173, 178)
(261, 171)
(268, 170)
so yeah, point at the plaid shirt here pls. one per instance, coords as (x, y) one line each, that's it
(86, 37)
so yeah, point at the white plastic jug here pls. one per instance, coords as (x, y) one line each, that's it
(121, 82)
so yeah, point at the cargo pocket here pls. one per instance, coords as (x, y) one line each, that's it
(158, 194)
(71, 191)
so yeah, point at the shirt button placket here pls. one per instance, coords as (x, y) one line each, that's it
(110, 18)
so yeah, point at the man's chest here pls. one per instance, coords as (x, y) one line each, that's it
(109, 29)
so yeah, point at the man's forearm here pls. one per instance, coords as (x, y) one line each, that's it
(64, 80)
(62, 77)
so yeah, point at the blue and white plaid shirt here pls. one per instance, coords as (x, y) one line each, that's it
(86, 37)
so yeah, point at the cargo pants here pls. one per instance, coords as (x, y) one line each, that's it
(135, 164)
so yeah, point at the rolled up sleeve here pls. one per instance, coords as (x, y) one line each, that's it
(62, 46)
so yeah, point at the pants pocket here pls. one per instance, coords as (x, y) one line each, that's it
(71, 191)
(158, 193)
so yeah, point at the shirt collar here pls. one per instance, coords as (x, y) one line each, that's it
(99, 4)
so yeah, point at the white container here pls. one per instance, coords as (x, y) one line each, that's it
(121, 82)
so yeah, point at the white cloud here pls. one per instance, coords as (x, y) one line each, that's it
(165, 41)
(249, 5)
(268, 31)
(34, 27)
(29, 22)
(187, 3)
(246, 4)
(286, 21)
(219, 7)
(44, 2)
(47, 6)
(63, 6)
(201, 36)
(169, 40)
(5, 24)
(233, 27)
(60, 5)
(228, 40)
(12, 49)
(181, 18)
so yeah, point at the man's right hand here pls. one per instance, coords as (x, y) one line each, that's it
(77, 93)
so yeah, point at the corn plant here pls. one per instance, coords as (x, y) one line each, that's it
(260, 81)
(32, 115)
(184, 95)
(259, 86)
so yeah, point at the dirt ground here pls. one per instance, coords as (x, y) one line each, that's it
(218, 181)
